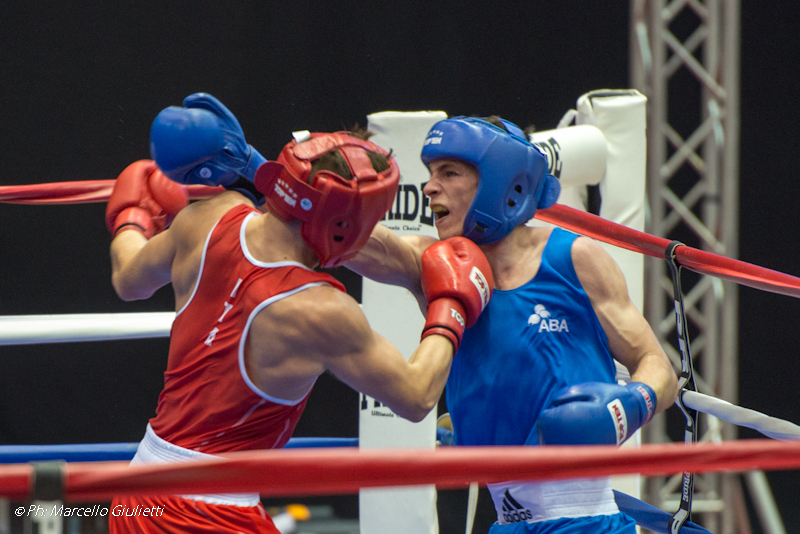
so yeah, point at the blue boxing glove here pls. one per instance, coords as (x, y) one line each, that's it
(595, 413)
(203, 143)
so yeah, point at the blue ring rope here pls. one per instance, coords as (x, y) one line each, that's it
(102, 452)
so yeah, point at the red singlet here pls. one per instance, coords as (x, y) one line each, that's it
(208, 403)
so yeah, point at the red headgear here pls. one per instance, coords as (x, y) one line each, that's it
(338, 214)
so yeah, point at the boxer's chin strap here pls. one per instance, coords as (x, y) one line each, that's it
(686, 382)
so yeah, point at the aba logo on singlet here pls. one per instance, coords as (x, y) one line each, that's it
(545, 322)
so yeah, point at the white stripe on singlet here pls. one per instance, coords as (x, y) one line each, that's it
(243, 340)
(200, 271)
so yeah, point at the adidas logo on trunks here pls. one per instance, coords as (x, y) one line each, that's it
(513, 512)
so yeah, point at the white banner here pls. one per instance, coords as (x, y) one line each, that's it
(395, 314)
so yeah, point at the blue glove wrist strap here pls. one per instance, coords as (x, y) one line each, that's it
(646, 398)
(253, 163)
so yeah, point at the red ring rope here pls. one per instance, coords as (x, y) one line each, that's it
(297, 472)
(584, 223)
(78, 192)
(697, 260)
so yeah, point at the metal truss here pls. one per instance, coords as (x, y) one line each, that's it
(684, 56)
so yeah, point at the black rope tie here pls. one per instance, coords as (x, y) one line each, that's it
(684, 512)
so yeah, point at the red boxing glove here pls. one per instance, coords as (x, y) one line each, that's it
(458, 283)
(144, 200)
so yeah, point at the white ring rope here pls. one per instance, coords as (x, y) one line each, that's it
(34, 329)
(769, 426)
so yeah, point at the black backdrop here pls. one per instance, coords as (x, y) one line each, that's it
(81, 83)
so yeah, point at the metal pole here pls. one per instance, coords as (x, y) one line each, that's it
(764, 502)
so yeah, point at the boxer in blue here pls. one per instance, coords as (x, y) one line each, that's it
(538, 365)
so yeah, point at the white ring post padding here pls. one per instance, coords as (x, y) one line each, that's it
(771, 427)
(35, 329)
(622, 117)
(394, 313)
(575, 155)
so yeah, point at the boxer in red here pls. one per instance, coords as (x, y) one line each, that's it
(256, 324)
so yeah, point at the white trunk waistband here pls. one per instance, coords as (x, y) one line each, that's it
(154, 450)
(532, 502)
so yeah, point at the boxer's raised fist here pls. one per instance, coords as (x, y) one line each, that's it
(144, 200)
(457, 282)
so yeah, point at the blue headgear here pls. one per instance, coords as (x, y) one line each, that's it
(513, 180)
